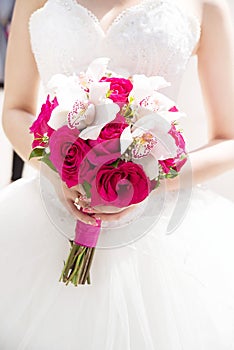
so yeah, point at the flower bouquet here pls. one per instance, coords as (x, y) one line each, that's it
(115, 137)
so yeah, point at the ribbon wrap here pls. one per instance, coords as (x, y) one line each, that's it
(87, 235)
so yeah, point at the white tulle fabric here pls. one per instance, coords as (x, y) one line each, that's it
(161, 292)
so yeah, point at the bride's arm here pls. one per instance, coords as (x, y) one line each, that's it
(21, 82)
(21, 95)
(216, 72)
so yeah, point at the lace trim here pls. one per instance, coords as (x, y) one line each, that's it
(68, 4)
(129, 9)
(118, 18)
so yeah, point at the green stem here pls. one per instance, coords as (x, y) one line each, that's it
(77, 266)
(89, 262)
(68, 264)
(86, 264)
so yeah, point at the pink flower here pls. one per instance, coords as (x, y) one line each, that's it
(179, 140)
(107, 147)
(171, 163)
(173, 109)
(112, 130)
(120, 89)
(67, 151)
(40, 127)
(120, 186)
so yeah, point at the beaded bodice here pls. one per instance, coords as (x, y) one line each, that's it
(154, 37)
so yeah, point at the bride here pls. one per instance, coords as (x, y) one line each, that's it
(164, 281)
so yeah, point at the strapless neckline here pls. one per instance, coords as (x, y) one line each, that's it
(123, 13)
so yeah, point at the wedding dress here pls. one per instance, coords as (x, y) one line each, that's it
(163, 277)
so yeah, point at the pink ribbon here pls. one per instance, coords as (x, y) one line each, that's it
(87, 235)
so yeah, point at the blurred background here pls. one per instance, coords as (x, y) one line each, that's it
(195, 127)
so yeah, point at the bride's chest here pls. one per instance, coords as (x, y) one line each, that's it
(152, 37)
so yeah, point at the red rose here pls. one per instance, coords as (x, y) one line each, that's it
(40, 126)
(120, 89)
(107, 147)
(120, 186)
(67, 152)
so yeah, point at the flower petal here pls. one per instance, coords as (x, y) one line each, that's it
(98, 91)
(141, 87)
(150, 166)
(144, 86)
(91, 132)
(172, 116)
(106, 112)
(97, 68)
(67, 89)
(58, 118)
(160, 128)
(126, 139)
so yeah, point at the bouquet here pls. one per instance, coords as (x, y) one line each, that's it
(116, 137)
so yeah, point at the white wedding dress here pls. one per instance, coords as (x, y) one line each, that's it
(162, 279)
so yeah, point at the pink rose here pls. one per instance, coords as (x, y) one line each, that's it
(120, 89)
(107, 147)
(120, 186)
(112, 130)
(179, 140)
(170, 163)
(67, 152)
(40, 126)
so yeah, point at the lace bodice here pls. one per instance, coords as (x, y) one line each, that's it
(154, 37)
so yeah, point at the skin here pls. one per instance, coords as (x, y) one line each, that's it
(215, 54)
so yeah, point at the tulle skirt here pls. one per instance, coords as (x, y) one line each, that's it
(159, 290)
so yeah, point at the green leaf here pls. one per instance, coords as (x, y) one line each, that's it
(87, 188)
(37, 152)
(115, 163)
(172, 174)
(48, 162)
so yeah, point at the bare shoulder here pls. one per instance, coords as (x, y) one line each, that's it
(216, 15)
(29, 6)
(216, 7)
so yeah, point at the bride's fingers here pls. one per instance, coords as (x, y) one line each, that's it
(113, 217)
(79, 215)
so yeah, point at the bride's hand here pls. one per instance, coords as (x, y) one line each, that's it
(86, 214)
(114, 216)
(68, 196)
(102, 212)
